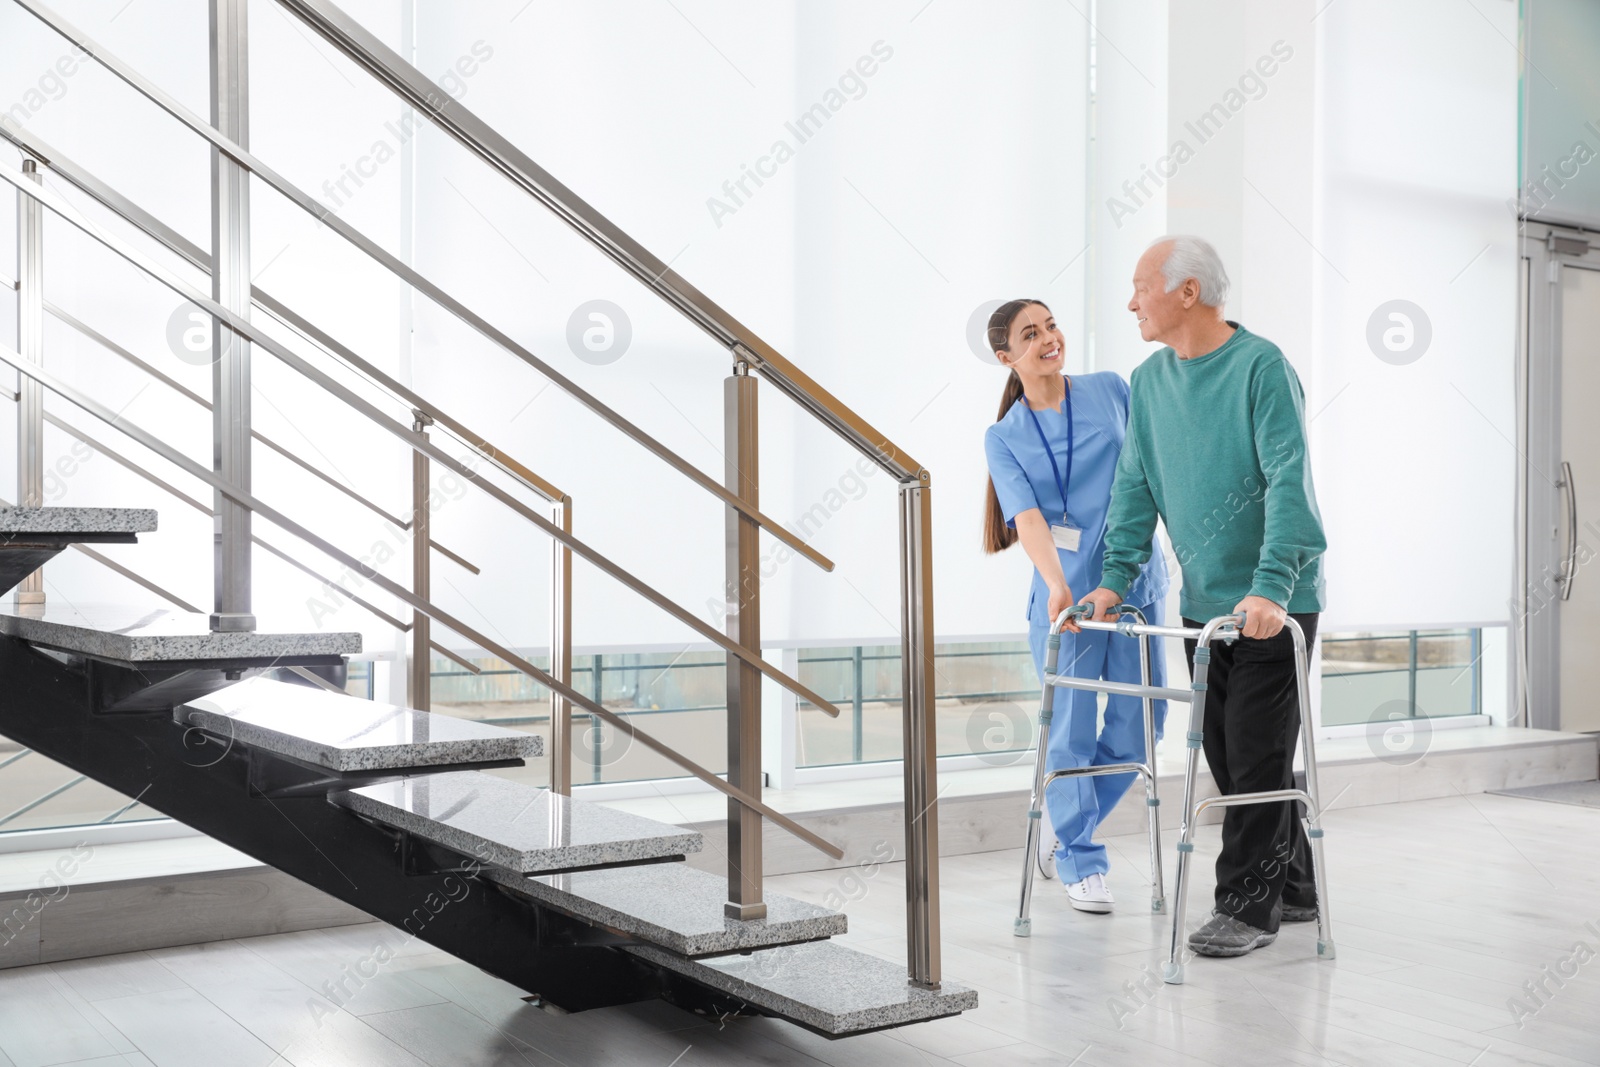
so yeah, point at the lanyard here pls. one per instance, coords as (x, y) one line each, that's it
(1051, 456)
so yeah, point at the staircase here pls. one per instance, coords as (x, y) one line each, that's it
(248, 736)
(396, 811)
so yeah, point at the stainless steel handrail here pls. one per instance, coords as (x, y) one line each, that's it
(198, 258)
(203, 262)
(922, 883)
(113, 565)
(305, 201)
(419, 442)
(284, 522)
(364, 48)
(206, 510)
(85, 330)
(178, 387)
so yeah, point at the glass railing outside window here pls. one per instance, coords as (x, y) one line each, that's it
(1381, 677)
(987, 697)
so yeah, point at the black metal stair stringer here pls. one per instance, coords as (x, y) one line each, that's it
(45, 706)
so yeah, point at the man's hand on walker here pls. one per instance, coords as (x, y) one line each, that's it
(1103, 600)
(1263, 618)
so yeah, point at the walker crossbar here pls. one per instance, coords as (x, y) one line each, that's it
(1135, 626)
(1215, 629)
(1062, 681)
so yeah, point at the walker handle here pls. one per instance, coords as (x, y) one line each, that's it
(1073, 612)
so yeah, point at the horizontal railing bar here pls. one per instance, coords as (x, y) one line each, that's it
(322, 339)
(120, 812)
(138, 579)
(204, 509)
(418, 441)
(445, 552)
(449, 655)
(117, 457)
(412, 277)
(358, 44)
(319, 680)
(328, 583)
(172, 383)
(940, 655)
(176, 243)
(8, 761)
(20, 812)
(433, 611)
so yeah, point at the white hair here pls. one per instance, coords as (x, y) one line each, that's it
(1194, 257)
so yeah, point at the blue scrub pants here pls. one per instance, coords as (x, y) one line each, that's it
(1076, 805)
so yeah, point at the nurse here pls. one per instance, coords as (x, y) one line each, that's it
(1052, 452)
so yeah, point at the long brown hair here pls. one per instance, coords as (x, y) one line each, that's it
(997, 536)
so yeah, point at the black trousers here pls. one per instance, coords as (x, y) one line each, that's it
(1251, 724)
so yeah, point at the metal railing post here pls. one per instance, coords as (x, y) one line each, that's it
(595, 746)
(561, 654)
(419, 681)
(743, 622)
(230, 287)
(920, 748)
(30, 345)
(855, 707)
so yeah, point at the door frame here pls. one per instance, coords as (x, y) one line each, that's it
(1546, 251)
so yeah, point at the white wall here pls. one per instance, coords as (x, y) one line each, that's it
(1371, 164)
(939, 183)
(1414, 460)
(954, 174)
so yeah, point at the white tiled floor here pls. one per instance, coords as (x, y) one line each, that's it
(1444, 909)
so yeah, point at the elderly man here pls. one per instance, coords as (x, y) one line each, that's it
(1217, 447)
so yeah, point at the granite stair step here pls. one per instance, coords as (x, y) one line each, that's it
(822, 985)
(515, 826)
(31, 537)
(347, 735)
(676, 907)
(144, 636)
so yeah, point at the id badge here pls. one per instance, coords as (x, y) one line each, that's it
(1065, 536)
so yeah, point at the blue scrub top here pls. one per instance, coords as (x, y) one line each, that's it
(1023, 479)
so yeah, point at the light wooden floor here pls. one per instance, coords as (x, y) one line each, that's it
(1444, 909)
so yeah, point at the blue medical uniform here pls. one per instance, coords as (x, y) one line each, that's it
(1023, 478)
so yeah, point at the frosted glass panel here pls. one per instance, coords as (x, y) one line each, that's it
(1411, 407)
(1561, 135)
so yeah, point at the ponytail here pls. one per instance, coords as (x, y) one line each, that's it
(997, 536)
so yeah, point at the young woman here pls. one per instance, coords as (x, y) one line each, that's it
(1052, 453)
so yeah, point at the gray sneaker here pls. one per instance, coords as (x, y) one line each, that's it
(1299, 913)
(1223, 935)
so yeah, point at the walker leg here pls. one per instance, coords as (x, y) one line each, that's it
(1319, 866)
(1022, 925)
(1152, 798)
(1173, 972)
(1319, 873)
(1158, 889)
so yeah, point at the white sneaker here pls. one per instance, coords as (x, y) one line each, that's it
(1090, 894)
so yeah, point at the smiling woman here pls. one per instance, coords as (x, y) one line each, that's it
(1052, 453)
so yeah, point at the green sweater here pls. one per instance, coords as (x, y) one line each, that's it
(1217, 447)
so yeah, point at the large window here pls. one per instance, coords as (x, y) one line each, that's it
(1423, 674)
(987, 694)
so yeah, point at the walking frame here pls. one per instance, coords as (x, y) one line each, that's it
(1131, 623)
